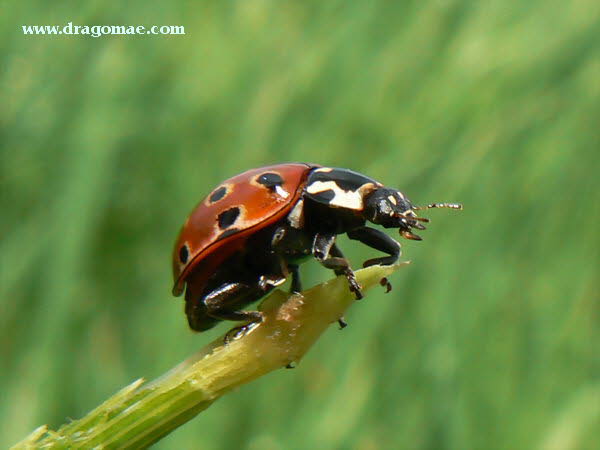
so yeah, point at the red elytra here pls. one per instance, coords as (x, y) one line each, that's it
(208, 244)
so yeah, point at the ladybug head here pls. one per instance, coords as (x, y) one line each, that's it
(392, 209)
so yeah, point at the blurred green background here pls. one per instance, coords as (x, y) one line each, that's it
(489, 339)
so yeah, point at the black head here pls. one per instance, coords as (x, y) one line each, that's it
(392, 209)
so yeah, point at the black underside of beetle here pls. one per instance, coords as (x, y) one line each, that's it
(273, 254)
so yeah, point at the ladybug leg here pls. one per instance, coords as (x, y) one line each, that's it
(322, 246)
(386, 284)
(266, 281)
(335, 251)
(224, 301)
(296, 283)
(379, 241)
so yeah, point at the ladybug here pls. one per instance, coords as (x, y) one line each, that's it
(253, 230)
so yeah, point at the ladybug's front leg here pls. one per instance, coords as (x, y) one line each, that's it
(325, 251)
(378, 240)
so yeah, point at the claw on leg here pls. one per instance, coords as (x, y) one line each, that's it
(354, 286)
(386, 284)
(331, 257)
(239, 332)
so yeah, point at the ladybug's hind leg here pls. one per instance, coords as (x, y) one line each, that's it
(327, 253)
(224, 302)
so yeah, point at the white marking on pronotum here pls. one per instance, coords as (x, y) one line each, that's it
(281, 191)
(343, 199)
(296, 215)
(393, 199)
(324, 169)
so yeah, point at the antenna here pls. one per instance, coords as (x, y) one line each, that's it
(441, 205)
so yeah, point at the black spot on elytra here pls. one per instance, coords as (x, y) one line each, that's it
(226, 233)
(324, 197)
(184, 254)
(218, 194)
(346, 179)
(270, 180)
(228, 217)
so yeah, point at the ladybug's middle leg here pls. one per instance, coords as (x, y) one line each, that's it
(296, 282)
(325, 251)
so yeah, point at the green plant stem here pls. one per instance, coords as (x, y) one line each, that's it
(141, 414)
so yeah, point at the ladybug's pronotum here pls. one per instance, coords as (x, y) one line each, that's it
(253, 230)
